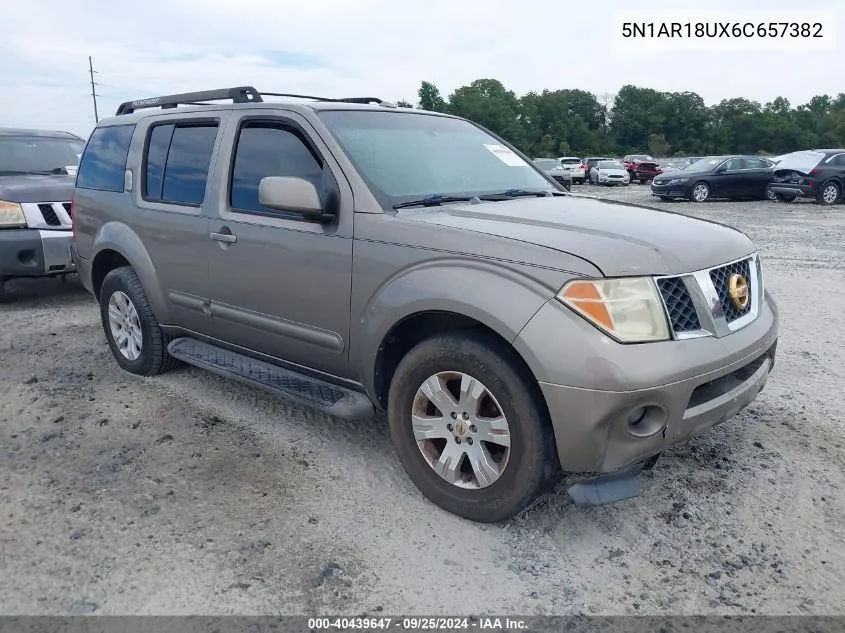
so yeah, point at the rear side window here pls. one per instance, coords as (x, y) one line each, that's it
(177, 161)
(103, 163)
(269, 150)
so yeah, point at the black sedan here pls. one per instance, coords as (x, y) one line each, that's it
(717, 177)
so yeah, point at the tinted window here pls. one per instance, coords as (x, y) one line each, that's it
(156, 157)
(104, 161)
(757, 163)
(265, 151)
(734, 163)
(188, 159)
(839, 160)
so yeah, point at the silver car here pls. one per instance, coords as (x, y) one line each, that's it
(555, 170)
(352, 256)
(609, 172)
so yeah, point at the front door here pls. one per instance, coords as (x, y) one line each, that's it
(731, 181)
(280, 285)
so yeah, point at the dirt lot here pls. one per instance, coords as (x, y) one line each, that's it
(188, 493)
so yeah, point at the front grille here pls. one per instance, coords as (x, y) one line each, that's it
(682, 314)
(721, 279)
(561, 179)
(49, 214)
(69, 208)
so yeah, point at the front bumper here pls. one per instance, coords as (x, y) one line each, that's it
(670, 191)
(34, 253)
(591, 384)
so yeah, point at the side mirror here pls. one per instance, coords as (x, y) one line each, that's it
(720, 169)
(296, 195)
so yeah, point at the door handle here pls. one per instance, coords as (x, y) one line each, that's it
(228, 238)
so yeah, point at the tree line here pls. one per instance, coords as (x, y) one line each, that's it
(641, 120)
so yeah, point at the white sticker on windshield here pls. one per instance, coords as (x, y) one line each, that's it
(505, 155)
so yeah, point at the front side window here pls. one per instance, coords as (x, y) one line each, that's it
(403, 156)
(177, 162)
(267, 150)
(103, 164)
(39, 154)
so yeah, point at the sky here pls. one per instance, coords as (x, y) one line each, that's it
(381, 48)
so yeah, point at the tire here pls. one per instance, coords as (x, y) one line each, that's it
(784, 197)
(829, 193)
(704, 192)
(2, 289)
(768, 194)
(123, 284)
(531, 464)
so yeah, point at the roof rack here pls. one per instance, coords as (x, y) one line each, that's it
(241, 94)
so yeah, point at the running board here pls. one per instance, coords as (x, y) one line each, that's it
(299, 388)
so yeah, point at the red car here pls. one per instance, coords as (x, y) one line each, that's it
(641, 167)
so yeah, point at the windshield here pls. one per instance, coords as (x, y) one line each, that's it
(641, 157)
(706, 163)
(404, 156)
(610, 164)
(39, 154)
(547, 163)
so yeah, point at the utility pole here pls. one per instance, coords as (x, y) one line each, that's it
(93, 90)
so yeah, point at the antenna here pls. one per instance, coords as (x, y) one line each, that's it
(91, 71)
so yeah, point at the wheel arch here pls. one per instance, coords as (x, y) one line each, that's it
(118, 245)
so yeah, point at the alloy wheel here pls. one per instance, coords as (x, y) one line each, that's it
(125, 325)
(461, 430)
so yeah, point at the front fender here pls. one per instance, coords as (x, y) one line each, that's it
(118, 237)
(502, 297)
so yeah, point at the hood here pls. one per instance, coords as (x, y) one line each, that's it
(620, 239)
(36, 188)
(803, 162)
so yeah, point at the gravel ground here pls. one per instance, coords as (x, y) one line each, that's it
(188, 493)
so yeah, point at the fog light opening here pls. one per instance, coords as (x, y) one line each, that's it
(647, 420)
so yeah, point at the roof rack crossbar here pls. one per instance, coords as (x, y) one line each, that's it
(327, 99)
(241, 94)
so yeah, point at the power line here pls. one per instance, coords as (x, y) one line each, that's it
(91, 71)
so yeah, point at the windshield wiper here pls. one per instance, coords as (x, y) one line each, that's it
(517, 193)
(437, 200)
(433, 201)
(33, 172)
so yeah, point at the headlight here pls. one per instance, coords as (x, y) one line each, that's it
(11, 215)
(678, 181)
(630, 310)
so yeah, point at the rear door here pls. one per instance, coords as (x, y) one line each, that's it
(280, 284)
(759, 173)
(176, 159)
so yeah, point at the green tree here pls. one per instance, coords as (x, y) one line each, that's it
(404, 104)
(430, 98)
(488, 103)
(657, 145)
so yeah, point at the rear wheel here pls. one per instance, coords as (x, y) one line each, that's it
(468, 427)
(137, 342)
(829, 194)
(700, 192)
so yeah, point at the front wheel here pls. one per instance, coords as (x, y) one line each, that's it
(768, 194)
(469, 427)
(137, 342)
(784, 197)
(700, 192)
(828, 194)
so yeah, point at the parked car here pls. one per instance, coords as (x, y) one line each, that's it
(609, 172)
(641, 167)
(351, 256)
(590, 162)
(554, 170)
(37, 168)
(717, 177)
(817, 174)
(575, 168)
